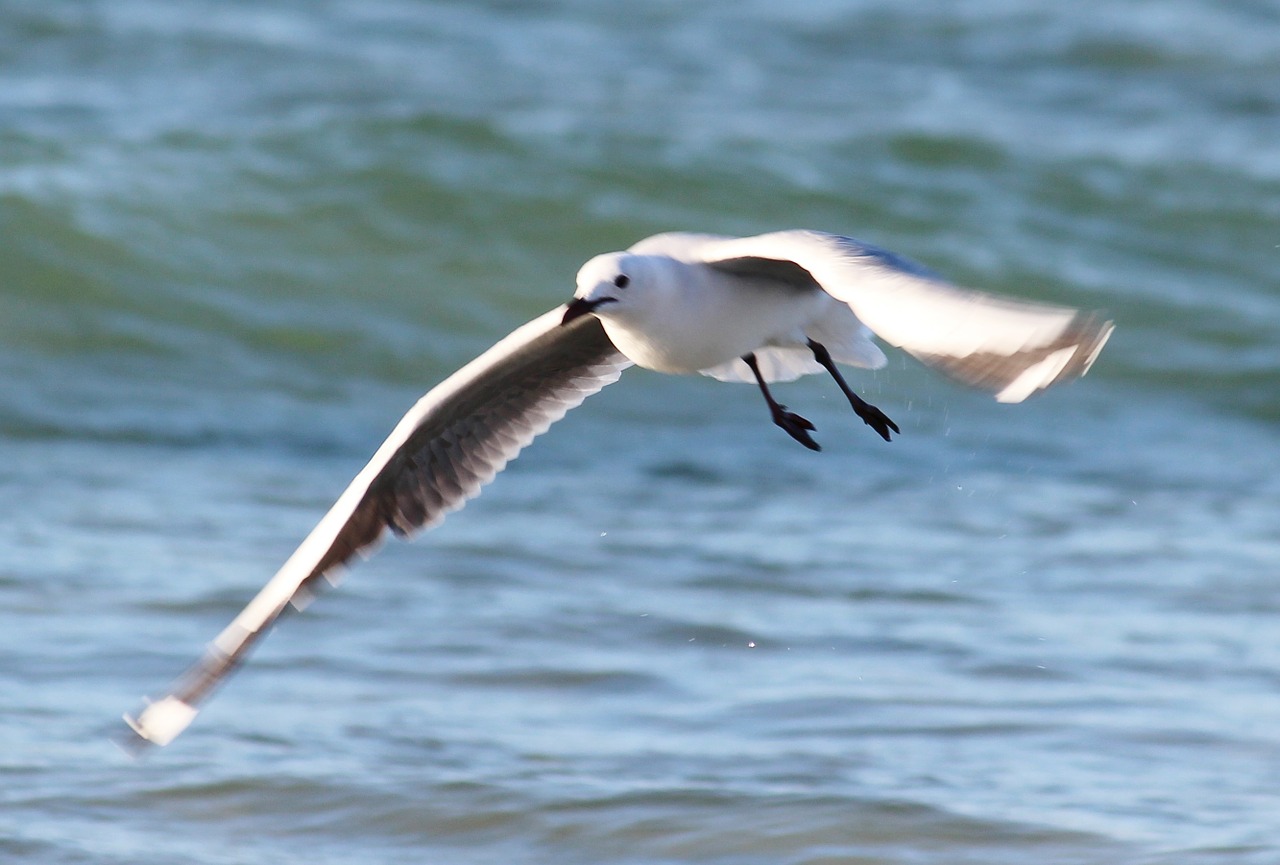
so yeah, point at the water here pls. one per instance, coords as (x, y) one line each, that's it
(237, 240)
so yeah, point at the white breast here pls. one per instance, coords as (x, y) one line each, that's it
(711, 319)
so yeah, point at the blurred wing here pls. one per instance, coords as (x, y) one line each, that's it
(452, 442)
(1009, 347)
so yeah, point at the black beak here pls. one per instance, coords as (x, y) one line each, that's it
(581, 306)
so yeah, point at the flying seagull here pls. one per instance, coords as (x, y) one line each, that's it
(753, 309)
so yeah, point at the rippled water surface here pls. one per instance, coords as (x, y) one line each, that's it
(238, 239)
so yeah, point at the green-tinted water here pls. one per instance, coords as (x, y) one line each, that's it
(237, 240)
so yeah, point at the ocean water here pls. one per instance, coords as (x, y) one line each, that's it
(239, 239)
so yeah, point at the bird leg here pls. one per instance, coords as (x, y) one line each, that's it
(792, 424)
(872, 416)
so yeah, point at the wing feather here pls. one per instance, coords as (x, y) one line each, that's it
(1011, 348)
(452, 442)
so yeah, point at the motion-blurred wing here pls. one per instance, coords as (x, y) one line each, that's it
(1009, 347)
(451, 443)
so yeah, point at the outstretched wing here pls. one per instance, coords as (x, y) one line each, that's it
(1009, 347)
(451, 443)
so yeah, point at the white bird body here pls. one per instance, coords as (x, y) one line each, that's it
(694, 318)
(763, 309)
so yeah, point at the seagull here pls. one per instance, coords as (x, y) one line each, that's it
(762, 309)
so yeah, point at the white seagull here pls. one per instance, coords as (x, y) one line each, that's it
(754, 309)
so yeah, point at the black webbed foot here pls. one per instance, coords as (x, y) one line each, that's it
(871, 416)
(796, 426)
(876, 419)
(792, 424)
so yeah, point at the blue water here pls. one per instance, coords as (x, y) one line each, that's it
(238, 240)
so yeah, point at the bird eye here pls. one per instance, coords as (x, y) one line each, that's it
(621, 280)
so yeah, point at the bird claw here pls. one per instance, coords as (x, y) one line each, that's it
(796, 426)
(877, 420)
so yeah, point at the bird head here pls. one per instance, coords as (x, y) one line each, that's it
(608, 285)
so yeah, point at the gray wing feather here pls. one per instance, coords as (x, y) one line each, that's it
(451, 443)
(786, 273)
(1012, 377)
(1012, 348)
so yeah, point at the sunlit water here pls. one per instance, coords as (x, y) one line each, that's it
(237, 240)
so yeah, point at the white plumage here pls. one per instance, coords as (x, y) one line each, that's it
(764, 309)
